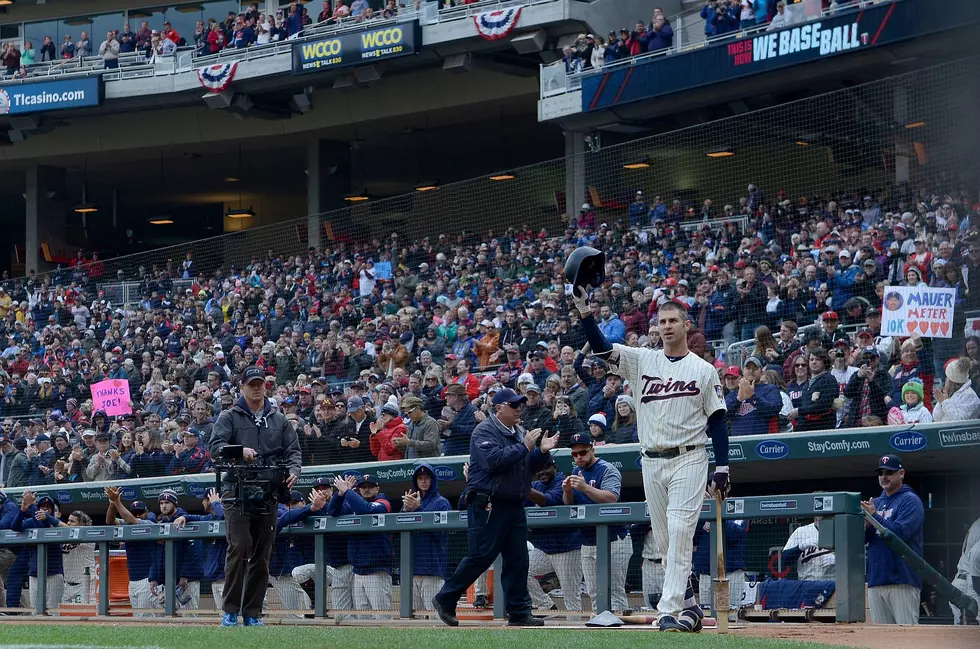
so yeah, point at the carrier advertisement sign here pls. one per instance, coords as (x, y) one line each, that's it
(346, 50)
(840, 34)
(43, 96)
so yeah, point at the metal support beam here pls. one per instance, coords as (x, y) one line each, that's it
(603, 566)
(406, 573)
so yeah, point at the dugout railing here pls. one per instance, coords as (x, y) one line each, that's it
(841, 530)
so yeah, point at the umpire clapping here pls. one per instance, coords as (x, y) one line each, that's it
(499, 482)
(268, 439)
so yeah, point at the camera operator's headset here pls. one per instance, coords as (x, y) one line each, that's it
(258, 488)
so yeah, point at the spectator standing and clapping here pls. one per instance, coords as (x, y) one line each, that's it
(11, 58)
(779, 19)
(109, 51)
(47, 50)
(957, 399)
(83, 48)
(661, 35)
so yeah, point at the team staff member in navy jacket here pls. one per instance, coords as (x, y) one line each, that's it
(139, 555)
(370, 555)
(190, 458)
(428, 548)
(189, 558)
(893, 587)
(499, 481)
(214, 548)
(549, 549)
(42, 515)
(753, 408)
(704, 554)
(595, 481)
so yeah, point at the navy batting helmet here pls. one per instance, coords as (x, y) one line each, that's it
(586, 267)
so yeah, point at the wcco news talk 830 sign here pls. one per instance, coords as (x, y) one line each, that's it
(347, 50)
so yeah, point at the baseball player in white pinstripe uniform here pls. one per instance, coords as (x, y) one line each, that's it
(679, 404)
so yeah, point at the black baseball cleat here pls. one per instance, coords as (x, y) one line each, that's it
(692, 617)
(671, 624)
(529, 620)
(481, 601)
(444, 615)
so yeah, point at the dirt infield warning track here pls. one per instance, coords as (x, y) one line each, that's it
(867, 636)
(871, 636)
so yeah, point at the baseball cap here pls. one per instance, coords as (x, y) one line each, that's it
(754, 360)
(42, 438)
(4, 439)
(830, 315)
(366, 478)
(295, 497)
(137, 506)
(193, 432)
(253, 374)
(733, 371)
(869, 351)
(891, 462)
(508, 396)
(865, 333)
(355, 403)
(88, 432)
(580, 438)
(322, 482)
(532, 387)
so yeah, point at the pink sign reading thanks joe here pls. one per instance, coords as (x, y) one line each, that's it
(112, 396)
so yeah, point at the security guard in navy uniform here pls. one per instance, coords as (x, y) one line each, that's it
(499, 482)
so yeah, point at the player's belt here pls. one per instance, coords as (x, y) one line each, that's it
(668, 453)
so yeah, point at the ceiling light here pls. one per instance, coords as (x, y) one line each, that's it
(915, 124)
(802, 143)
(426, 186)
(641, 164)
(86, 208)
(231, 179)
(720, 152)
(356, 197)
(503, 176)
(162, 220)
(240, 213)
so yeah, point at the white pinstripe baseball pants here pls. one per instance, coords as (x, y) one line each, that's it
(674, 490)
(621, 551)
(568, 567)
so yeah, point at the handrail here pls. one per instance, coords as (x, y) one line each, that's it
(574, 81)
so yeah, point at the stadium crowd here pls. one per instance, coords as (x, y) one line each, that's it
(415, 338)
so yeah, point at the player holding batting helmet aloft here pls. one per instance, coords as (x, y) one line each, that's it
(679, 404)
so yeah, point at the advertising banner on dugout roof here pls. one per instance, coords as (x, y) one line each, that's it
(921, 310)
(43, 96)
(843, 33)
(746, 452)
(348, 50)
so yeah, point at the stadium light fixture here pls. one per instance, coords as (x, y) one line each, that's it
(720, 152)
(357, 197)
(240, 213)
(427, 186)
(6, 3)
(639, 164)
(919, 124)
(86, 206)
(162, 220)
(231, 179)
(504, 175)
(802, 143)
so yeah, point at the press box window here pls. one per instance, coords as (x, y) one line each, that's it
(8, 32)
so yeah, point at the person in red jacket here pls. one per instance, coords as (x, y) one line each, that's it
(383, 431)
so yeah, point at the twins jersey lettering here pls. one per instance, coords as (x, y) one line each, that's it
(674, 398)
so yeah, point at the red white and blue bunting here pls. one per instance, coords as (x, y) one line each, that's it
(494, 25)
(217, 78)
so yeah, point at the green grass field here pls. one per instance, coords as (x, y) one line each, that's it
(63, 636)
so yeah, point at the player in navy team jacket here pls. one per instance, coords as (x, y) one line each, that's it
(704, 555)
(139, 554)
(189, 556)
(370, 555)
(15, 578)
(893, 587)
(214, 548)
(31, 516)
(291, 552)
(429, 549)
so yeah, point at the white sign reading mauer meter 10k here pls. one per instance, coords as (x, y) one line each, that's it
(921, 310)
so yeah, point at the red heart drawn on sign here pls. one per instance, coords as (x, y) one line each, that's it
(944, 327)
(911, 326)
(924, 327)
(934, 326)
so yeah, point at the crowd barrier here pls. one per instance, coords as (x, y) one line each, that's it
(842, 530)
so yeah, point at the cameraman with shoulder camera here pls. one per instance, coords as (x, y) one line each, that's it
(268, 438)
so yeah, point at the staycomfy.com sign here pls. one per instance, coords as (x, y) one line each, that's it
(921, 310)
